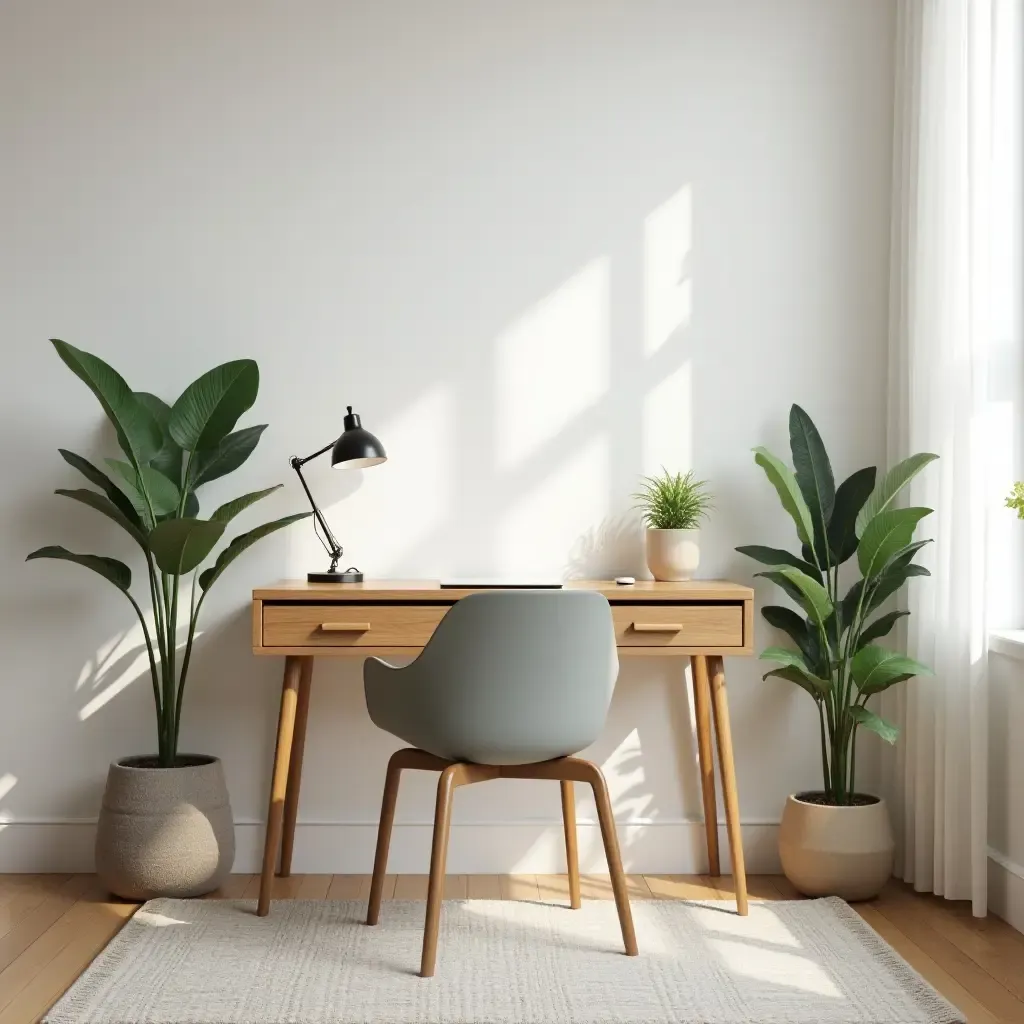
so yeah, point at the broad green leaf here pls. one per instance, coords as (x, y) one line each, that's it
(850, 497)
(179, 545)
(894, 481)
(794, 660)
(874, 668)
(848, 605)
(888, 533)
(776, 556)
(137, 432)
(887, 584)
(208, 577)
(230, 509)
(109, 568)
(904, 555)
(784, 482)
(785, 656)
(170, 457)
(889, 732)
(813, 596)
(799, 630)
(813, 474)
(103, 504)
(834, 628)
(101, 480)
(163, 494)
(790, 588)
(879, 628)
(209, 407)
(793, 675)
(216, 462)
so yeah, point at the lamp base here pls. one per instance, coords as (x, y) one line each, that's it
(349, 576)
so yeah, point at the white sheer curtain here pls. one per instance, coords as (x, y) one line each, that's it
(946, 229)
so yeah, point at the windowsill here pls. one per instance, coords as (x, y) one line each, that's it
(1008, 642)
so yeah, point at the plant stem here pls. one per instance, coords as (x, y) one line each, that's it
(824, 751)
(170, 636)
(172, 631)
(193, 619)
(853, 762)
(149, 651)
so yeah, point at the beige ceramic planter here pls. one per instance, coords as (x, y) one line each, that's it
(836, 851)
(165, 831)
(673, 555)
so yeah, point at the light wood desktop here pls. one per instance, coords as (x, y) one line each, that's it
(703, 620)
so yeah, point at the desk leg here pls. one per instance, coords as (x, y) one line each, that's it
(725, 760)
(291, 800)
(702, 713)
(279, 780)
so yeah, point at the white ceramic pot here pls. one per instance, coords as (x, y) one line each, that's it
(836, 851)
(673, 555)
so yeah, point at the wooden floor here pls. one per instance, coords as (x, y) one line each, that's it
(51, 927)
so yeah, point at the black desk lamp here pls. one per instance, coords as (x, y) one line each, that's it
(355, 449)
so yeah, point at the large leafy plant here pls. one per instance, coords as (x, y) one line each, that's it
(170, 451)
(836, 659)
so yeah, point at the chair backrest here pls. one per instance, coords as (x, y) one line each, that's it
(515, 676)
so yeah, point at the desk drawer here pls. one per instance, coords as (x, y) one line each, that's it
(707, 625)
(349, 625)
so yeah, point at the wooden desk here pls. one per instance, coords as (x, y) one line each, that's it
(703, 620)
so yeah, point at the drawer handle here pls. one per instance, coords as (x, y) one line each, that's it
(657, 627)
(345, 627)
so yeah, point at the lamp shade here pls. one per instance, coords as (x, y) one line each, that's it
(357, 448)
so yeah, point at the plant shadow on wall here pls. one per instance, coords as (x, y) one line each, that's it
(171, 451)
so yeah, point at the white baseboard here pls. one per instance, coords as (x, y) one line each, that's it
(494, 848)
(1006, 889)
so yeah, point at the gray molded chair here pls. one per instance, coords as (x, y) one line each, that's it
(511, 684)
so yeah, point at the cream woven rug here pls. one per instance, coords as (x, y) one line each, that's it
(315, 962)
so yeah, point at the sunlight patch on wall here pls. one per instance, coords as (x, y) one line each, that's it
(668, 423)
(624, 773)
(537, 531)
(124, 659)
(7, 783)
(668, 235)
(551, 364)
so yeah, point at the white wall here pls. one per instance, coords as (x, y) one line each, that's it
(542, 248)
(1006, 769)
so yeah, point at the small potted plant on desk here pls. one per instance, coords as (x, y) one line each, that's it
(165, 827)
(837, 841)
(673, 506)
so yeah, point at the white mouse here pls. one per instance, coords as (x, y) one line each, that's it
(625, 581)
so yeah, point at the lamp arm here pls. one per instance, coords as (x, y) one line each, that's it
(334, 549)
(296, 461)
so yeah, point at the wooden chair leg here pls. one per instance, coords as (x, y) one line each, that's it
(438, 857)
(732, 803)
(611, 851)
(387, 819)
(702, 713)
(291, 800)
(279, 781)
(572, 858)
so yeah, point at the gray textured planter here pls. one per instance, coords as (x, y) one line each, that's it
(165, 831)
